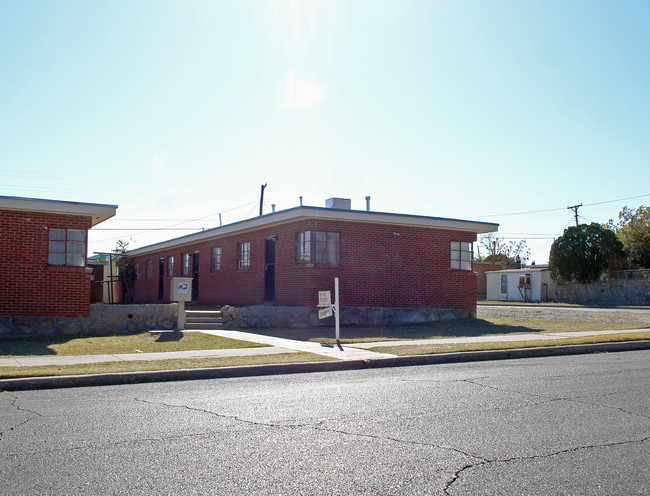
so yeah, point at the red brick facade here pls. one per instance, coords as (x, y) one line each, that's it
(381, 265)
(28, 285)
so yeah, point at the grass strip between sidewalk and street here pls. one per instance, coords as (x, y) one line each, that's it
(143, 342)
(405, 350)
(172, 364)
(482, 326)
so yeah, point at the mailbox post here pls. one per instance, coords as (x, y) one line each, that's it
(326, 308)
(181, 291)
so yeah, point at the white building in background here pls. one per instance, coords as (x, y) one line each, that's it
(531, 284)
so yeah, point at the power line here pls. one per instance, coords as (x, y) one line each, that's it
(614, 201)
(561, 208)
(167, 228)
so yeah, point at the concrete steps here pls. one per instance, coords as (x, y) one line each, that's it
(203, 319)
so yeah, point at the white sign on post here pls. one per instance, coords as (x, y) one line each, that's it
(324, 299)
(323, 313)
(327, 309)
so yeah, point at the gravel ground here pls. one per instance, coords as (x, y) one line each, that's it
(632, 317)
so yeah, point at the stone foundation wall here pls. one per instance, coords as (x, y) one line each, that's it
(634, 292)
(298, 316)
(102, 320)
(124, 319)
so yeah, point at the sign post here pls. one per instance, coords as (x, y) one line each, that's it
(336, 311)
(326, 308)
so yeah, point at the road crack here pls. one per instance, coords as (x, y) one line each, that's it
(485, 462)
(14, 403)
(558, 398)
(315, 426)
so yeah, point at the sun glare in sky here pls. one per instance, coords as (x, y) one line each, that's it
(301, 93)
(177, 112)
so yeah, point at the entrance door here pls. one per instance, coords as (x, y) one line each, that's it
(269, 269)
(161, 278)
(195, 276)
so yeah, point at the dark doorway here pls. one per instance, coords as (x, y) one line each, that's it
(195, 276)
(161, 278)
(269, 272)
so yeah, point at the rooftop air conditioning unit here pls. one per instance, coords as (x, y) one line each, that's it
(339, 203)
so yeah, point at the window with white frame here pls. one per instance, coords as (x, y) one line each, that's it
(319, 247)
(186, 264)
(148, 269)
(67, 247)
(136, 269)
(244, 256)
(304, 247)
(504, 284)
(461, 255)
(170, 266)
(215, 262)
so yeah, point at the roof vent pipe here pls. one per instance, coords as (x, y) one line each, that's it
(368, 203)
(273, 207)
(301, 201)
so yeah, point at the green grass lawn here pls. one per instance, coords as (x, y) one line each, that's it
(405, 350)
(463, 328)
(125, 343)
(175, 364)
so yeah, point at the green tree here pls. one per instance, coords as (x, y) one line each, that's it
(512, 253)
(584, 252)
(633, 229)
(127, 270)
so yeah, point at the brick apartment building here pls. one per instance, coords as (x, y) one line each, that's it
(43, 248)
(383, 260)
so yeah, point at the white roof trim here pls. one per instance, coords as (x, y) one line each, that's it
(301, 213)
(517, 271)
(98, 212)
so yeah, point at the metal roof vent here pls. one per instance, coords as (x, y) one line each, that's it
(339, 203)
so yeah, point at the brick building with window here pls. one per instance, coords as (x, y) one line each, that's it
(382, 260)
(43, 247)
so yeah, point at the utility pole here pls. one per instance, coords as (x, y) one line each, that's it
(575, 211)
(262, 197)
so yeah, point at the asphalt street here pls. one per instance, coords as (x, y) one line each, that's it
(556, 425)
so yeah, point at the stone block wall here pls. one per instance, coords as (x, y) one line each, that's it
(307, 316)
(125, 319)
(102, 320)
(633, 292)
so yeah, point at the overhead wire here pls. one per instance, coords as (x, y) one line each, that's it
(171, 227)
(561, 208)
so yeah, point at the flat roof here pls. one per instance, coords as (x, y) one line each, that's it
(305, 212)
(97, 211)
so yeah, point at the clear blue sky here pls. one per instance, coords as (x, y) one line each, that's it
(477, 110)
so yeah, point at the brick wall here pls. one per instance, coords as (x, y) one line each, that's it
(381, 266)
(28, 285)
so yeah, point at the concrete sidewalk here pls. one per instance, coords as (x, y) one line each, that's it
(275, 345)
(347, 358)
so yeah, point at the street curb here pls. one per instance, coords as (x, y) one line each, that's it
(69, 381)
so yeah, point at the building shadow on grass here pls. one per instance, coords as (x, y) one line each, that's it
(168, 337)
(444, 329)
(38, 346)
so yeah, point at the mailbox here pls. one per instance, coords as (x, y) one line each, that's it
(181, 289)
